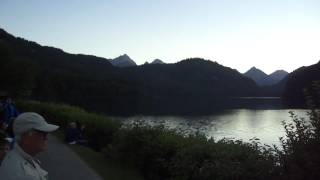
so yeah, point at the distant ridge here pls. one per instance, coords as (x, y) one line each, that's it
(262, 79)
(123, 61)
(157, 61)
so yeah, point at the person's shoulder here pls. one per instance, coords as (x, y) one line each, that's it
(12, 161)
(14, 167)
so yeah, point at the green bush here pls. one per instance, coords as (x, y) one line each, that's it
(300, 154)
(165, 154)
(99, 129)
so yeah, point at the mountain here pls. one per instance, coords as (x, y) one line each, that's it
(192, 77)
(45, 73)
(258, 76)
(300, 80)
(50, 57)
(123, 61)
(191, 86)
(262, 79)
(275, 90)
(157, 61)
(278, 75)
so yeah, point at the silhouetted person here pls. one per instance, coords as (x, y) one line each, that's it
(74, 135)
(9, 114)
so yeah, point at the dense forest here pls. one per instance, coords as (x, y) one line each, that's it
(300, 84)
(195, 85)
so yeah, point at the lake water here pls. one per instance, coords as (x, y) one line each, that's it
(243, 124)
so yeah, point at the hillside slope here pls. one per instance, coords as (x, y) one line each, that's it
(50, 74)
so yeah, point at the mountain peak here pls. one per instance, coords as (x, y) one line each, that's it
(124, 55)
(157, 61)
(262, 79)
(255, 70)
(280, 71)
(257, 75)
(123, 61)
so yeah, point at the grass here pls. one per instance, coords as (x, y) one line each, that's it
(107, 169)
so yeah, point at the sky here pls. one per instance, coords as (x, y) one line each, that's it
(267, 34)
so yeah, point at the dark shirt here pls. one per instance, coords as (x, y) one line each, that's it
(9, 112)
(73, 134)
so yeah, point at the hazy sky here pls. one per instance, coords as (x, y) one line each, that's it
(268, 34)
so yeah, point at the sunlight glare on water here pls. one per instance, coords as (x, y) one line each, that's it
(238, 124)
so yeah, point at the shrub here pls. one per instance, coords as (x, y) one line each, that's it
(166, 154)
(300, 157)
(99, 130)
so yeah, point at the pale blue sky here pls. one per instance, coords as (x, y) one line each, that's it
(268, 34)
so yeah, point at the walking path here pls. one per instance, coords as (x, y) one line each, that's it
(64, 164)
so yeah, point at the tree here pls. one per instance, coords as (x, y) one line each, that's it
(300, 157)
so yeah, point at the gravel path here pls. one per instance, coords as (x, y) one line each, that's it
(64, 164)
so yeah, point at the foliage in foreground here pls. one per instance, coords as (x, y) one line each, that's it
(166, 154)
(300, 157)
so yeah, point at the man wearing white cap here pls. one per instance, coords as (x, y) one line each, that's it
(31, 132)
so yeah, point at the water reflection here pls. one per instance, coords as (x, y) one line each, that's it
(233, 124)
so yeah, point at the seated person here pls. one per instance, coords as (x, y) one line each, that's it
(74, 134)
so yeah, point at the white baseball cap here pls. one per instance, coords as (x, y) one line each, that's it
(31, 120)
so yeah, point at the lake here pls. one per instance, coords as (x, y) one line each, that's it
(234, 124)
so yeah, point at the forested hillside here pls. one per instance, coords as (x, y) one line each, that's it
(49, 74)
(300, 80)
